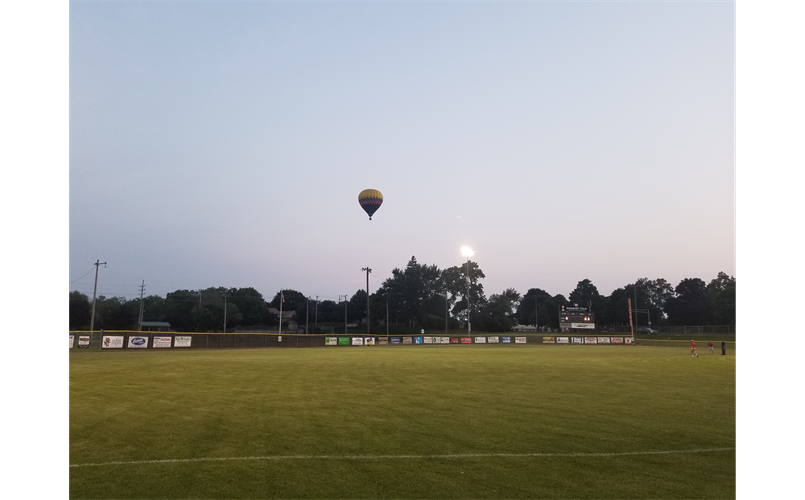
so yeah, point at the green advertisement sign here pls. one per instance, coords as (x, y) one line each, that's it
(343, 340)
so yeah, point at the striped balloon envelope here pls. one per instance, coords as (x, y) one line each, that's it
(370, 200)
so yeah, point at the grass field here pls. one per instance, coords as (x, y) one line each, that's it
(403, 422)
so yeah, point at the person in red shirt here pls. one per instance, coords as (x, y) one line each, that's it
(693, 349)
(710, 345)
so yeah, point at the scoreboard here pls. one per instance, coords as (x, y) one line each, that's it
(576, 317)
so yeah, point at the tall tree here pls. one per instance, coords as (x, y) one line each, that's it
(80, 311)
(690, 305)
(535, 299)
(721, 294)
(498, 314)
(461, 287)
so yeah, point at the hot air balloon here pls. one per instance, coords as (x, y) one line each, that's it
(370, 200)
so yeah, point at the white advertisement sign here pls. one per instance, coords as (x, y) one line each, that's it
(427, 340)
(182, 341)
(578, 340)
(357, 340)
(161, 342)
(480, 340)
(628, 340)
(445, 340)
(72, 341)
(562, 340)
(330, 340)
(519, 340)
(493, 340)
(603, 340)
(590, 340)
(369, 341)
(83, 340)
(138, 342)
(112, 342)
(589, 326)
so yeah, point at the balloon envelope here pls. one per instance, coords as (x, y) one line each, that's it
(370, 200)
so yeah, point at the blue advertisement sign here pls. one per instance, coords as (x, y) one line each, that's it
(505, 340)
(417, 340)
(395, 340)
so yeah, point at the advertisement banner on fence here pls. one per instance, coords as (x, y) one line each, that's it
(83, 341)
(330, 340)
(138, 342)
(72, 341)
(408, 340)
(590, 340)
(466, 340)
(480, 340)
(548, 340)
(603, 340)
(617, 340)
(443, 340)
(182, 341)
(505, 340)
(493, 340)
(343, 340)
(396, 340)
(562, 340)
(161, 342)
(417, 340)
(577, 340)
(382, 341)
(357, 340)
(628, 340)
(427, 340)
(454, 340)
(110, 342)
(519, 340)
(369, 341)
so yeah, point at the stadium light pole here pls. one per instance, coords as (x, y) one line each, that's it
(468, 252)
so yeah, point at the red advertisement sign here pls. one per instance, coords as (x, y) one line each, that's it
(466, 340)
(454, 340)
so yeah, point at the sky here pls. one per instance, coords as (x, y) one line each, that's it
(225, 143)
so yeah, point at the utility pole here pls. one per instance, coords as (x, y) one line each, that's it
(140, 322)
(316, 316)
(307, 310)
(387, 315)
(368, 322)
(94, 291)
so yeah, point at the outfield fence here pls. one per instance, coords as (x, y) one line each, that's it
(117, 340)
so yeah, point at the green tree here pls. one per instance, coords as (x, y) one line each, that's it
(691, 305)
(80, 311)
(535, 299)
(414, 295)
(498, 314)
(721, 294)
(460, 288)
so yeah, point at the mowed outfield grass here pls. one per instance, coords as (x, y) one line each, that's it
(472, 421)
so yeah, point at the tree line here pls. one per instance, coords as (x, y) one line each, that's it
(419, 296)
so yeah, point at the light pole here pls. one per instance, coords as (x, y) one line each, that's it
(468, 252)
(345, 313)
(95, 291)
(368, 323)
